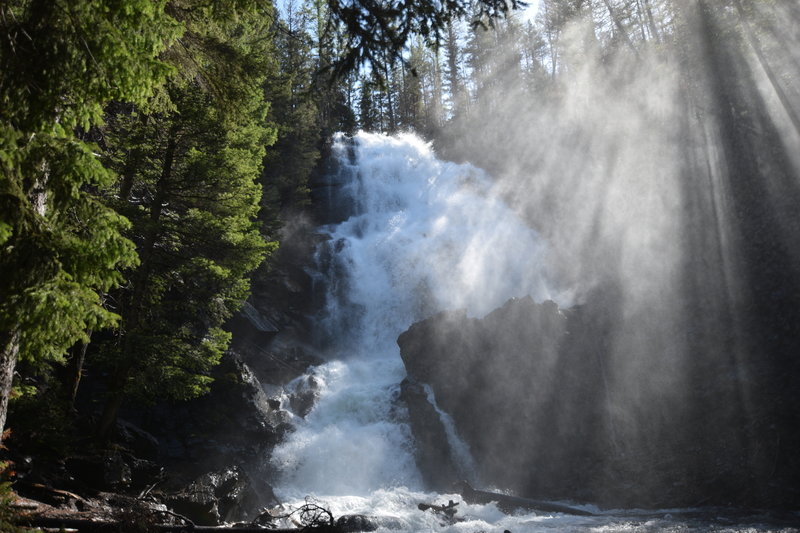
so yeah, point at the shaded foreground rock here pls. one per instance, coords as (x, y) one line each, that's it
(227, 495)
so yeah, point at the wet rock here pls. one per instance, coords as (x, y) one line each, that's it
(197, 501)
(527, 406)
(561, 404)
(359, 522)
(225, 495)
(116, 472)
(432, 453)
(234, 424)
(144, 473)
(304, 395)
(280, 361)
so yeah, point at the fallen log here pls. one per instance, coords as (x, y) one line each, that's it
(95, 526)
(509, 504)
(448, 512)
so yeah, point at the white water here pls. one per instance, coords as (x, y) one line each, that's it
(424, 236)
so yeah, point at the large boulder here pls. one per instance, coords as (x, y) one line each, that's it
(501, 378)
(224, 495)
(234, 426)
(596, 404)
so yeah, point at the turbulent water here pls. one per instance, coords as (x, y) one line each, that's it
(416, 235)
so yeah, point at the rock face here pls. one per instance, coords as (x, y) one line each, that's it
(233, 423)
(212, 449)
(432, 452)
(552, 408)
(501, 379)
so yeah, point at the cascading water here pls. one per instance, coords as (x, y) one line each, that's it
(424, 236)
(418, 235)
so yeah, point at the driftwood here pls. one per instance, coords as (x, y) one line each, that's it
(448, 511)
(509, 504)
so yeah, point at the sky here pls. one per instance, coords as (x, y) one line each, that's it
(528, 14)
(530, 11)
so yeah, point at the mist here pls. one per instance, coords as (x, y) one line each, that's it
(661, 169)
(585, 249)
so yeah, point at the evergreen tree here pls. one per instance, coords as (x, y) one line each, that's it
(193, 202)
(61, 62)
(453, 75)
(295, 111)
(411, 100)
(369, 117)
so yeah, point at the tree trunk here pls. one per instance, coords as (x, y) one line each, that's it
(75, 371)
(620, 27)
(8, 361)
(767, 68)
(10, 342)
(651, 22)
(390, 104)
(140, 286)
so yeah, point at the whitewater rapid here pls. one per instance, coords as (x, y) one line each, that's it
(416, 235)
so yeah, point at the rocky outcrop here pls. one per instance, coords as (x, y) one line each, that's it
(210, 451)
(500, 379)
(225, 495)
(577, 404)
(233, 424)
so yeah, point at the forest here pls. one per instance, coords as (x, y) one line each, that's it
(155, 153)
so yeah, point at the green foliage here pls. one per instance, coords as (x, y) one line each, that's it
(380, 31)
(132, 140)
(290, 161)
(190, 189)
(8, 515)
(61, 246)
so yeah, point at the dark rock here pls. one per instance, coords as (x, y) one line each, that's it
(432, 453)
(197, 501)
(233, 424)
(250, 327)
(485, 374)
(578, 405)
(225, 495)
(116, 472)
(138, 441)
(144, 473)
(100, 472)
(304, 395)
(359, 522)
(280, 361)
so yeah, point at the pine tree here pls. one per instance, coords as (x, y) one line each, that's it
(193, 199)
(61, 62)
(295, 111)
(369, 117)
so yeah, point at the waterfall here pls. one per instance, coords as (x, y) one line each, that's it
(417, 235)
(409, 235)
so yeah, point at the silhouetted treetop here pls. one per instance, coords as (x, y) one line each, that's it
(379, 30)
